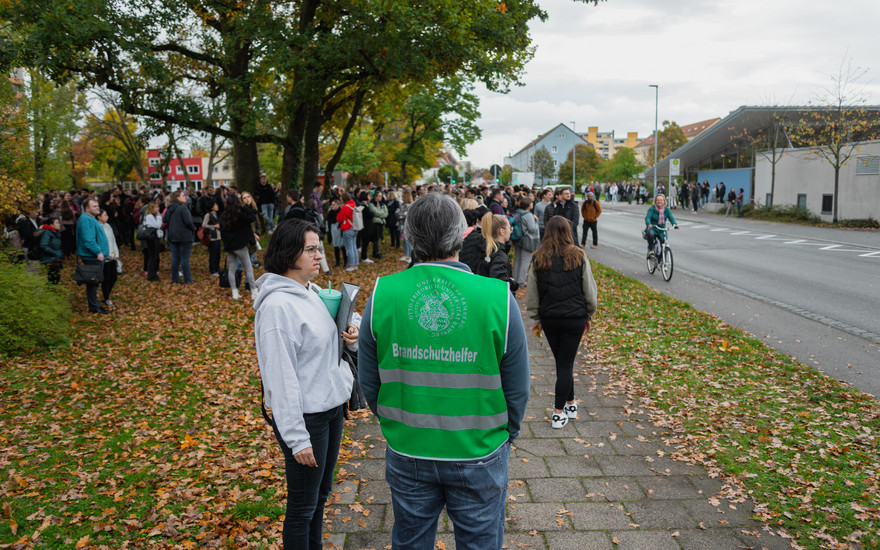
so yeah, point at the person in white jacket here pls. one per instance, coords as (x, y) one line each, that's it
(305, 382)
(110, 261)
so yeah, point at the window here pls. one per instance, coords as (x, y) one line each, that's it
(192, 169)
(555, 164)
(802, 201)
(554, 149)
(867, 165)
(827, 203)
(768, 200)
(179, 170)
(155, 162)
(155, 176)
(561, 135)
(197, 184)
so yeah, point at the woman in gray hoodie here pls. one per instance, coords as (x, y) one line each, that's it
(305, 382)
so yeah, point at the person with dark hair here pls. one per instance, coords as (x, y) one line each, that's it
(564, 206)
(449, 384)
(561, 298)
(305, 381)
(181, 229)
(211, 224)
(236, 232)
(528, 243)
(295, 209)
(51, 253)
(152, 220)
(111, 267)
(590, 212)
(266, 200)
(473, 247)
(92, 247)
(349, 233)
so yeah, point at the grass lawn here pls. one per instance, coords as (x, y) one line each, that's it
(146, 432)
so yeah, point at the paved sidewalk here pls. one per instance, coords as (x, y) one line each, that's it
(605, 481)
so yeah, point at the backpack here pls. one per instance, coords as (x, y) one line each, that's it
(516, 232)
(313, 216)
(357, 218)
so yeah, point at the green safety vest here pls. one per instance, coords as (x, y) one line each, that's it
(440, 334)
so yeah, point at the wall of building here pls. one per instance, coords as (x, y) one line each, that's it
(799, 172)
(733, 178)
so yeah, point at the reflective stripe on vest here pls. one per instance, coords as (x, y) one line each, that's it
(440, 335)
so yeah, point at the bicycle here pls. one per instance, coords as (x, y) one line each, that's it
(662, 256)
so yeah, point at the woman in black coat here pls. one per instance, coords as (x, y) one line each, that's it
(473, 249)
(496, 231)
(236, 233)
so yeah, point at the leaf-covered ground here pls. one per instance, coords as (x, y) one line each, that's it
(146, 431)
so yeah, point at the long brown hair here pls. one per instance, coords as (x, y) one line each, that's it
(558, 243)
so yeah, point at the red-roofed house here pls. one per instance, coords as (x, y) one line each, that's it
(690, 132)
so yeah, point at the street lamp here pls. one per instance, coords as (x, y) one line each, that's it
(656, 139)
(574, 159)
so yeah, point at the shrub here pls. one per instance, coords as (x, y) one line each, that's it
(785, 213)
(35, 313)
(860, 223)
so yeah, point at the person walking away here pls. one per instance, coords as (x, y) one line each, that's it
(68, 228)
(546, 196)
(305, 381)
(496, 264)
(152, 220)
(657, 216)
(92, 247)
(392, 220)
(336, 233)
(266, 199)
(111, 265)
(473, 247)
(448, 425)
(695, 196)
(349, 233)
(561, 299)
(590, 212)
(51, 249)
(528, 243)
(211, 224)
(180, 237)
(236, 232)
(378, 215)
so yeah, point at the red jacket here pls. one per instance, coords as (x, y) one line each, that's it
(345, 215)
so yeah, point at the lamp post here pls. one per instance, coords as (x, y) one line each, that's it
(656, 138)
(574, 159)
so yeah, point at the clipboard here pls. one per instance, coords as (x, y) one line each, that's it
(345, 311)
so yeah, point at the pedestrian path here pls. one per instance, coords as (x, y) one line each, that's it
(605, 481)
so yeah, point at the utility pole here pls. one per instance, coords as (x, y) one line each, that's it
(656, 135)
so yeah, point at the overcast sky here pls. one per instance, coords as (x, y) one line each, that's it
(593, 64)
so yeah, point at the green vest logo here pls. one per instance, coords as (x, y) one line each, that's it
(438, 307)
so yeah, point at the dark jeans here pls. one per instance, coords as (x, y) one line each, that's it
(153, 259)
(653, 237)
(587, 227)
(110, 277)
(54, 273)
(370, 236)
(394, 231)
(564, 337)
(180, 261)
(92, 290)
(214, 256)
(307, 488)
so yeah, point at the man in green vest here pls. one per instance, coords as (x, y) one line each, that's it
(443, 363)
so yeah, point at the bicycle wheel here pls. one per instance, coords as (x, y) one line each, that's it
(666, 266)
(652, 264)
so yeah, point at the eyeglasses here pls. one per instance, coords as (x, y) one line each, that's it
(311, 251)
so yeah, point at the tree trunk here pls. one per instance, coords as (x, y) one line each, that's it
(836, 182)
(291, 161)
(346, 132)
(311, 152)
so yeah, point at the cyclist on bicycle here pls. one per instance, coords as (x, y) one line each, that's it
(657, 216)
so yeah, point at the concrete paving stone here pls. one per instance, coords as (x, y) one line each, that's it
(336, 522)
(347, 492)
(668, 487)
(598, 516)
(538, 448)
(578, 541)
(541, 428)
(524, 541)
(765, 540)
(714, 539)
(362, 429)
(640, 540)
(660, 514)
(541, 516)
(612, 489)
(562, 489)
(600, 428)
(368, 541)
(573, 466)
(374, 492)
(367, 469)
(611, 414)
(624, 465)
(634, 446)
(668, 466)
(581, 446)
(715, 516)
(708, 485)
(334, 541)
(534, 468)
(377, 450)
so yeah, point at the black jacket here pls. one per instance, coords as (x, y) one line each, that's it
(561, 292)
(500, 268)
(473, 250)
(238, 234)
(180, 223)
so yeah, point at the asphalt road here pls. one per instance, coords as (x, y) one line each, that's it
(812, 293)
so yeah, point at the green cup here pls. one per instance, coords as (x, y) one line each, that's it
(331, 299)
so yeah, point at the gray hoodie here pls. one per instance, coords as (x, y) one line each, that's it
(298, 351)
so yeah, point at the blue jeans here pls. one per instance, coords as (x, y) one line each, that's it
(269, 216)
(308, 487)
(180, 261)
(349, 241)
(474, 492)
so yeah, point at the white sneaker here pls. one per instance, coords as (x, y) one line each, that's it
(571, 410)
(235, 294)
(403, 259)
(108, 303)
(367, 261)
(558, 420)
(351, 268)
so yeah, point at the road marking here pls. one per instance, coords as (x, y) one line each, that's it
(742, 233)
(720, 229)
(836, 248)
(870, 254)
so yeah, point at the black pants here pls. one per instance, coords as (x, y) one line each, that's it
(153, 258)
(564, 337)
(92, 290)
(308, 487)
(54, 273)
(110, 277)
(587, 227)
(394, 231)
(370, 236)
(214, 256)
